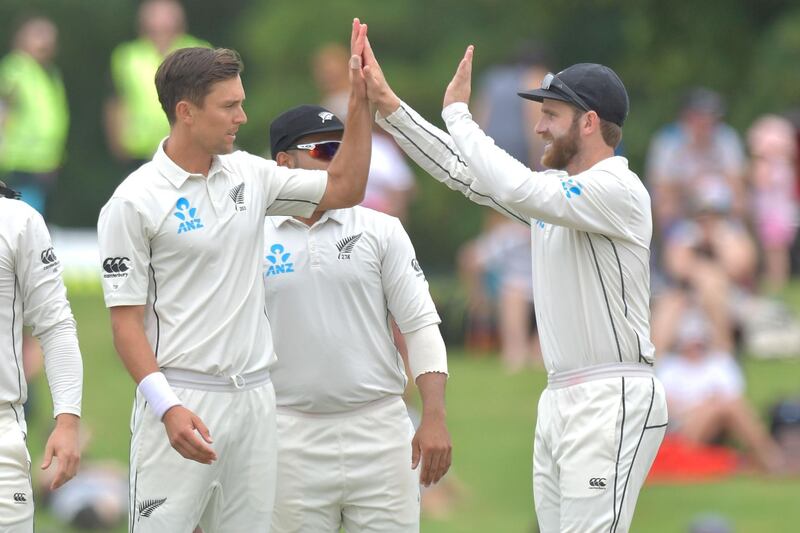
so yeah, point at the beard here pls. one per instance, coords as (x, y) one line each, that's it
(562, 149)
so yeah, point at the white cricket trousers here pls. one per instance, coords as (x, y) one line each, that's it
(16, 493)
(235, 494)
(596, 438)
(350, 470)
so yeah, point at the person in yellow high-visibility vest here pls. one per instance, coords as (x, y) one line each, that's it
(34, 116)
(135, 122)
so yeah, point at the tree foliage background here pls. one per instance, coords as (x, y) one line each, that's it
(749, 50)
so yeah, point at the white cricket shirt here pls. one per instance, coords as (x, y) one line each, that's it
(590, 236)
(33, 294)
(330, 289)
(189, 248)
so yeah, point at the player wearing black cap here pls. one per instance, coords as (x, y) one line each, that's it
(602, 417)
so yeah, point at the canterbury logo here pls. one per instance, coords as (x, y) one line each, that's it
(597, 482)
(237, 195)
(345, 246)
(116, 264)
(20, 497)
(147, 507)
(48, 256)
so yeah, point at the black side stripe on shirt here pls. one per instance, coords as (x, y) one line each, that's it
(633, 460)
(423, 128)
(14, 339)
(605, 296)
(621, 277)
(619, 452)
(465, 184)
(295, 200)
(155, 300)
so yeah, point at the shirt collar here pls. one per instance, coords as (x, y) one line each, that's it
(174, 173)
(337, 215)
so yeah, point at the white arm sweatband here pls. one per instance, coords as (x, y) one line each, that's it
(426, 351)
(63, 366)
(158, 393)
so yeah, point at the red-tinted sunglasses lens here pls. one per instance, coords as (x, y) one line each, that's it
(324, 151)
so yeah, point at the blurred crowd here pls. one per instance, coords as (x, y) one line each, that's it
(725, 208)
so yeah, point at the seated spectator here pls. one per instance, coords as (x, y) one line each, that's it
(773, 152)
(705, 393)
(711, 257)
(697, 151)
(495, 268)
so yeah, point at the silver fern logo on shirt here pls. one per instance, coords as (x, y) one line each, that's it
(346, 245)
(237, 195)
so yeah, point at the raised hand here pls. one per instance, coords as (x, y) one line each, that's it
(358, 37)
(459, 88)
(378, 90)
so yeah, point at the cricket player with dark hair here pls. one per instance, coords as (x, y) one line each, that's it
(603, 415)
(181, 241)
(348, 455)
(32, 293)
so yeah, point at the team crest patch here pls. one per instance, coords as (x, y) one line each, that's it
(237, 195)
(325, 116)
(346, 245)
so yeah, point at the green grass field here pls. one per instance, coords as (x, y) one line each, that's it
(491, 417)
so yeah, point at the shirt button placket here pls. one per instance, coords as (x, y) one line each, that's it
(312, 250)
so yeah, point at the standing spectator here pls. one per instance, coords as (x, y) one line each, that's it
(34, 117)
(697, 152)
(135, 123)
(507, 120)
(773, 152)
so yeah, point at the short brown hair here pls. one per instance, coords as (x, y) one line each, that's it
(189, 73)
(612, 134)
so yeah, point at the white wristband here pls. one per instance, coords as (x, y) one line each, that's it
(158, 393)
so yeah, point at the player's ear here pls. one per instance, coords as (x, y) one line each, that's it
(183, 111)
(285, 160)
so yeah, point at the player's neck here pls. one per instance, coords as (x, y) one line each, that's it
(186, 154)
(586, 159)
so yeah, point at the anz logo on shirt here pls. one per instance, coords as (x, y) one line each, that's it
(279, 261)
(571, 187)
(187, 215)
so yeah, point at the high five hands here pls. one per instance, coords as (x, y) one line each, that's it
(378, 90)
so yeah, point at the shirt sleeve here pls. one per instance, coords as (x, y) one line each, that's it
(434, 151)
(405, 287)
(291, 191)
(123, 235)
(47, 311)
(596, 201)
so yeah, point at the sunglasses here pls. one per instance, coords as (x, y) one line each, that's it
(324, 150)
(552, 81)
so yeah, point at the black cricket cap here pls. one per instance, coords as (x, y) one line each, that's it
(298, 122)
(597, 85)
